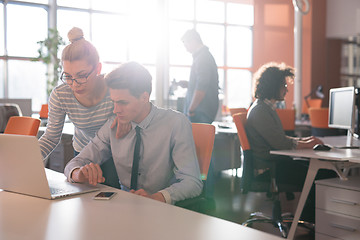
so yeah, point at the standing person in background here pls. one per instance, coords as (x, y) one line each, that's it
(84, 97)
(202, 100)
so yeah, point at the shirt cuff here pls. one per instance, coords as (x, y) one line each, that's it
(166, 195)
(69, 177)
(295, 143)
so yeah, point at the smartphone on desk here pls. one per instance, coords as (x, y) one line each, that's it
(104, 195)
(224, 125)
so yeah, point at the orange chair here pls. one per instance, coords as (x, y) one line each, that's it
(44, 111)
(22, 126)
(250, 183)
(311, 103)
(319, 118)
(248, 162)
(237, 110)
(204, 137)
(287, 118)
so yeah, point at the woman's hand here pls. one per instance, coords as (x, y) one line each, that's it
(122, 128)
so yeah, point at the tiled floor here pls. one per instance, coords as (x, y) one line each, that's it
(236, 207)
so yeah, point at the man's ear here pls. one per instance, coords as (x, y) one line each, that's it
(98, 68)
(145, 97)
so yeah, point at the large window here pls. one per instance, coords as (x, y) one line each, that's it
(147, 31)
(25, 25)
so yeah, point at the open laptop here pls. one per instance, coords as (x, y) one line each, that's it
(22, 170)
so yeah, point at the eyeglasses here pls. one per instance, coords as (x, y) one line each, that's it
(69, 80)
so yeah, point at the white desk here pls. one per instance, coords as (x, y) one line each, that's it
(335, 159)
(125, 216)
(64, 151)
(67, 129)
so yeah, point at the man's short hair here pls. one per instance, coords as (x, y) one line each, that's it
(270, 78)
(192, 34)
(132, 76)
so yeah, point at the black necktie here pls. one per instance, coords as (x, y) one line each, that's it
(135, 166)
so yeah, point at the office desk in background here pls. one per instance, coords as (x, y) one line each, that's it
(302, 128)
(339, 160)
(226, 152)
(64, 151)
(125, 216)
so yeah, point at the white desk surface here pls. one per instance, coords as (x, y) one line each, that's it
(68, 128)
(125, 216)
(334, 154)
(225, 127)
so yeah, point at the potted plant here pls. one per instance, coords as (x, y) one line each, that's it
(48, 50)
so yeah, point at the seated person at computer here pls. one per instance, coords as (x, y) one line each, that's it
(265, 131)
(264, 127)
(168, 169)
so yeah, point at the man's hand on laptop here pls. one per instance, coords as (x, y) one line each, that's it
(90, 173)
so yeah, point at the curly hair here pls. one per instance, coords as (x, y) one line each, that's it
(270, 78)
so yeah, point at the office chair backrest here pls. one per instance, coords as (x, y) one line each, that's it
(44, 111)
(248, 162)
(240, 121)
(22, 126)
(237, 110)
(287, 118)
(8, 110)
(319, 117)
(313, 103)
(204, 136)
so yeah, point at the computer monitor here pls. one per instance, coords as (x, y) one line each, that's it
(342, 110)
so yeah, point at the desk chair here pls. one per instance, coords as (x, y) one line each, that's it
(319, 118)
(287, 118)
(237, 110)
(249, 183)
(22, 126)
(310, 103)
(8, 110)
(204, 137)
(44, 111)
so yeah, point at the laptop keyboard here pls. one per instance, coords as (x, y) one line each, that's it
(55, 191)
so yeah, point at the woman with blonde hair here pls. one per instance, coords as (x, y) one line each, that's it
(83, 97)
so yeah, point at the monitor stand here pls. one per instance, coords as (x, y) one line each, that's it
(349, 141)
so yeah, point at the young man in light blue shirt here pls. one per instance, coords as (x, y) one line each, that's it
(168, 168)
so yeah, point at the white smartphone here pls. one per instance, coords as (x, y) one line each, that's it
(104, 195)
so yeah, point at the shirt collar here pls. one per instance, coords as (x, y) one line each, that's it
(270, 104)
(146, 122)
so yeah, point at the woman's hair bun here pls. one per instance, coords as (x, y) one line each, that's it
(75, 34)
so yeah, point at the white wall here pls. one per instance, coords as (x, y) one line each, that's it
(343, 18)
